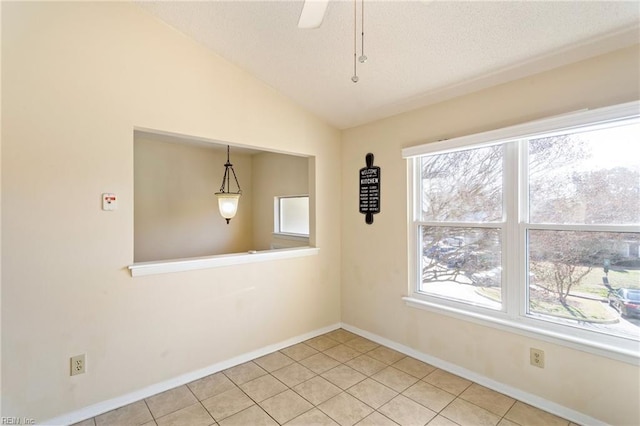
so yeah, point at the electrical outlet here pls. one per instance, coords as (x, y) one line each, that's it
(78, 364)
(536, 357)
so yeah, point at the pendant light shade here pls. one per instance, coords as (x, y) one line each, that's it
(228, 204)
(227, 199)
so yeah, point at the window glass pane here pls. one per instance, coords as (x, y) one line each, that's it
(294, 215)
(464, 186)
(590, 177)
(576, 277)
(463, 264)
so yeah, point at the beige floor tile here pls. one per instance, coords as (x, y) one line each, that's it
(273, 361)
(372, 393)
(467, 414)
(376, 419)
(488, 399)
(526, 415)
(341, 335)
(343, 376)
(366, 365)
(317, 390)
(430, 396)
(194, 415)
(293, 374)
(253, 416)
(386, 355)
(170, 401)
(263, 387)
(361, 344)
(132, 414)
(322, 343)
(227, 404)
(244, 372)
(88, 422)
(211, 386)
(356, 377)
(299, 352)
(406, 412)
(313, 417)
(395, 379)
(286, 406)
(342, 353)
(414, 367)
(441, 421)
(345, 409)
(319, 363)
(447, 381)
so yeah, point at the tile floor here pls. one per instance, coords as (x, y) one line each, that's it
(338, 378)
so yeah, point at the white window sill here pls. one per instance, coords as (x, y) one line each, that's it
(292, 237)
(629, 352)
(191, 264)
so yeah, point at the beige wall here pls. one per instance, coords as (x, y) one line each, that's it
(77, 78)
(175, 209)
(275, 175)
(375, 278)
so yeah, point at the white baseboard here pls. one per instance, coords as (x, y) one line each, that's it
(534, 400)
(515, 393)
(111, 404)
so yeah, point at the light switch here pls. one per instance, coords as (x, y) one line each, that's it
(109, 202)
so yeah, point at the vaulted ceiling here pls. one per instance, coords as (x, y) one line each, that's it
(419, 52)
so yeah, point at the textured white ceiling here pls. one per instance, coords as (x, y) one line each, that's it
(419, 52)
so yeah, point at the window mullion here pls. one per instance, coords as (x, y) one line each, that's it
(522, 261)
(414, 188)
(510, 281)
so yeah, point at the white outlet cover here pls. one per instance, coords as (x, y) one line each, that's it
(78, 364)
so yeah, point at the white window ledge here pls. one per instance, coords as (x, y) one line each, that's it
(292, 237)
(628, 353)
(191, 264)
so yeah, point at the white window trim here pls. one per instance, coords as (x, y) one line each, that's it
(278, 216)
(512, 317)
(291, 237)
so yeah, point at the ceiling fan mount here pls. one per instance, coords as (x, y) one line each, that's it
(312, 14)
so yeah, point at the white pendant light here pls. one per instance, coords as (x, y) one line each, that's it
(228, 200)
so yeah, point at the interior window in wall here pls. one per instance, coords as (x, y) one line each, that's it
(175, 210)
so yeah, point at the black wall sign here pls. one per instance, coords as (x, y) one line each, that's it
(369, 189)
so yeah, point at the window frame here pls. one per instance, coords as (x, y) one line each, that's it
(513, 316)
(277, 218)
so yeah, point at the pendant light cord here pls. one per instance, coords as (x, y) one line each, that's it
(362, 57)
(355, 42)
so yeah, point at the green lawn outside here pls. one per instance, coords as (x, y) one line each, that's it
(579, 306)
(592, 283)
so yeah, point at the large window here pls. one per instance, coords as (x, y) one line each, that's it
(535, 226)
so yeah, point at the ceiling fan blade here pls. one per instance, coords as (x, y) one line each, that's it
(312, 13)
